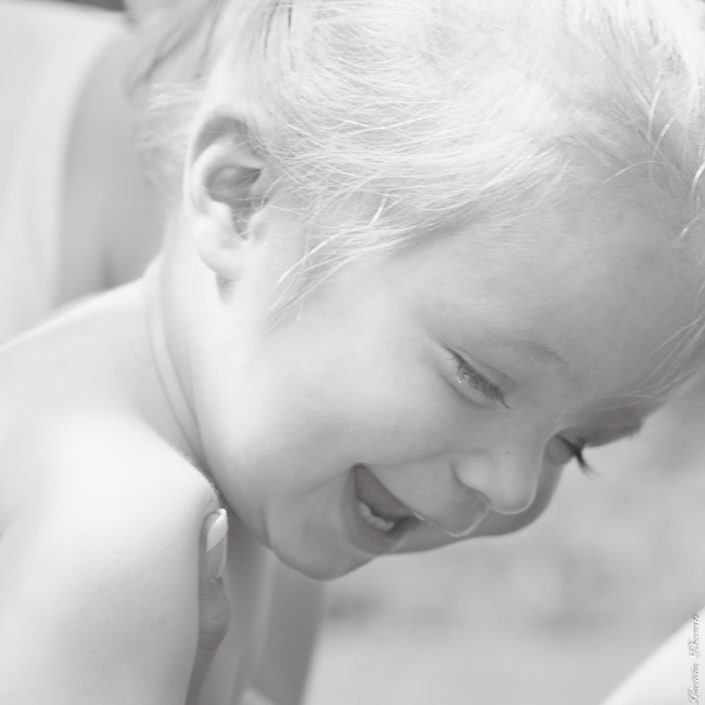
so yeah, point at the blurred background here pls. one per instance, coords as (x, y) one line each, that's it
(557, 613)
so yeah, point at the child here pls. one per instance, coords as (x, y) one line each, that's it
(422, 255)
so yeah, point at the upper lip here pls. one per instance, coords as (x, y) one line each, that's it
(370, 490)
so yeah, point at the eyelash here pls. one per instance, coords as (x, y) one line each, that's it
(577, 450)
(466, 374)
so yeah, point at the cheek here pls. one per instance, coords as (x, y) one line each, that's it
(416, 420)
(351, 412)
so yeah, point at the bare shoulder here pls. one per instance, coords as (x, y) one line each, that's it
(100, 519)
(99, 565)
(108, 464)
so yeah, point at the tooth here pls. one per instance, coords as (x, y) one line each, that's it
(383, 525)
(371, 518)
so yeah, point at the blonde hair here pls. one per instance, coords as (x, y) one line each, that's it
(390, 121)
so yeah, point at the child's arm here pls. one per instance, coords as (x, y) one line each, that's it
(99, 594)
(670, 676)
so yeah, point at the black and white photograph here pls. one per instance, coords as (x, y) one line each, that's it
(352, 352)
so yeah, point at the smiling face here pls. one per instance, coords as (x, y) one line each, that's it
(433, 392)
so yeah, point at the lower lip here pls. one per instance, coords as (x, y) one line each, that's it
(364, 536)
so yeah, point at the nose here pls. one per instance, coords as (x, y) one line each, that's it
(507, 477)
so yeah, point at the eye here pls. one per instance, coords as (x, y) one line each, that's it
(467, 374)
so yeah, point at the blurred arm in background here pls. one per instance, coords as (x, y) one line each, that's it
(113, 213)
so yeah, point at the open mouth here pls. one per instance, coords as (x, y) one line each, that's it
(388, 515)
(377, 506)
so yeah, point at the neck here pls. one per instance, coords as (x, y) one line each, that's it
(173, 385)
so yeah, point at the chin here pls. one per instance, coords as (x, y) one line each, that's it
(323, 567)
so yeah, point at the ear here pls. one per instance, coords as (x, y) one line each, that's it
(226, 184)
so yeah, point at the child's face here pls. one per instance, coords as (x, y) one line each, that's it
(434, 381)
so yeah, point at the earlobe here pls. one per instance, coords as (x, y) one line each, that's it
(226, 185)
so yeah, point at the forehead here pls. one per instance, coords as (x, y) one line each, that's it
(606, 291)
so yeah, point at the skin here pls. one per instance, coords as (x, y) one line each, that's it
(71, 572)
(280, 416)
